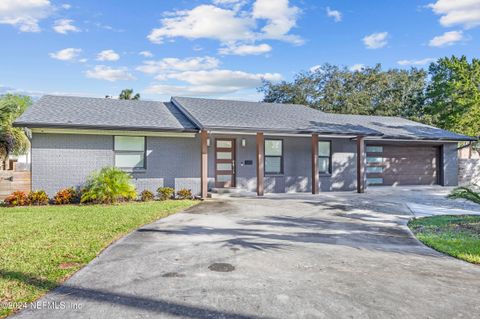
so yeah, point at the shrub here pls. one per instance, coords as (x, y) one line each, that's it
(165, 193)
(184, 194)
(38, 198)
(66, 196)
(109, 185)
(465, 193)
(17, 198)
(146, 196)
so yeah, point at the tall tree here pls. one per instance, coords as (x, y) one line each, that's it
(454, 95)
(127, 94)
(12, 139)
(369, 91)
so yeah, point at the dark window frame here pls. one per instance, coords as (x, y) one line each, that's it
(144, 152)
(329, 171)
(272, 156)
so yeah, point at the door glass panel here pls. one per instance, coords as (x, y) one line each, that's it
(224, 155)
(374, 181)
(224, 178)
(224, 166)
(375, 169)
(374, 149)
(224, 144)
(374, 159)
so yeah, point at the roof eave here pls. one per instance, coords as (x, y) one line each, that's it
(103, 127)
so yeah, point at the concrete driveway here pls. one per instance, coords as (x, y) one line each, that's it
(338, 255)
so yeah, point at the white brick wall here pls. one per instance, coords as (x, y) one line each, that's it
(469, 171)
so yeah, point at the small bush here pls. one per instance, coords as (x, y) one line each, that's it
(465, 193)
(17, 198)
(165, 193)
(109, 185)
(146, 196)
(184, 194)
(38, 198)
(66, 196)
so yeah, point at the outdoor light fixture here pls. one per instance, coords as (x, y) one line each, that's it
(208, 142)
(244, 142)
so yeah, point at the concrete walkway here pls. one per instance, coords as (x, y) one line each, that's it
(338, 255)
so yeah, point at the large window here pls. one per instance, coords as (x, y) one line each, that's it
(324, 157)
(273, 157)
(129, 152)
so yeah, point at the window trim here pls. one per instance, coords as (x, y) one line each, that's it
(131, 169)
(329, 172)
(274, 156)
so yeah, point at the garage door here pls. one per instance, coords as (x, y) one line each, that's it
(402, 165)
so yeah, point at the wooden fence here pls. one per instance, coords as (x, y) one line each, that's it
(11, 181)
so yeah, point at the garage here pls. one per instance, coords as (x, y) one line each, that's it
(393, 165)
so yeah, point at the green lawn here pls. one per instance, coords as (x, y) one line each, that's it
(41, 247)
(457, 236)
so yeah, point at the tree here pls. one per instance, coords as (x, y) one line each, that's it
(127, 94)
(453, 95)
(12, 139)
(369, 91)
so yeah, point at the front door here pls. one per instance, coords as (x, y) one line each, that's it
(224, 162)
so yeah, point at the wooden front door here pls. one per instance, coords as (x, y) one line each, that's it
(224, 162)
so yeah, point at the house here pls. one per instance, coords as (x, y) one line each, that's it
(203, 144)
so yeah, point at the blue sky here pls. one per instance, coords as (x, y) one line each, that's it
(217, 48)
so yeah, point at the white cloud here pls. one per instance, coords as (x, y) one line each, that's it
(175, 65)
(446, 39)
(376, 40)
(245, 49)
(66, 6)
(146, 54)
(315, 68)
(24, 14)
(416, 62)
(231, 25)
(335, 14)
(108, 55)
(357, 67)
(211, 82)
(281, 18)
(64, 26)
(205, 21)
(103, 72)
(458, 12)
(67, 54)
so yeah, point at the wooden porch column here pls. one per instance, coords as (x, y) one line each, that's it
(360, 164)
(204, 164)
(260, 163)
(314, 163)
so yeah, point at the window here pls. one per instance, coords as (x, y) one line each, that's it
(273, 157)
(129, 152)
(324, 157)
(376, 160)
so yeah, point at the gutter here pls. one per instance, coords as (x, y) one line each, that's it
(100, 127)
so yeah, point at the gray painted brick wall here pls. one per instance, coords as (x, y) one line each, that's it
(65, 160)
(450, 164)
(297, 165)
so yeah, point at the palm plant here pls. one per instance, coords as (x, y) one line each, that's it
(127, 94)
(109, 185)
(13, 140)
(465, 193)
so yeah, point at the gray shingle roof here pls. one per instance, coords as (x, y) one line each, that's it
(102, 113)
(224, 115)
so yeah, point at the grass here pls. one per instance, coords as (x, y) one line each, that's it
(457, 236)
(40, 247)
